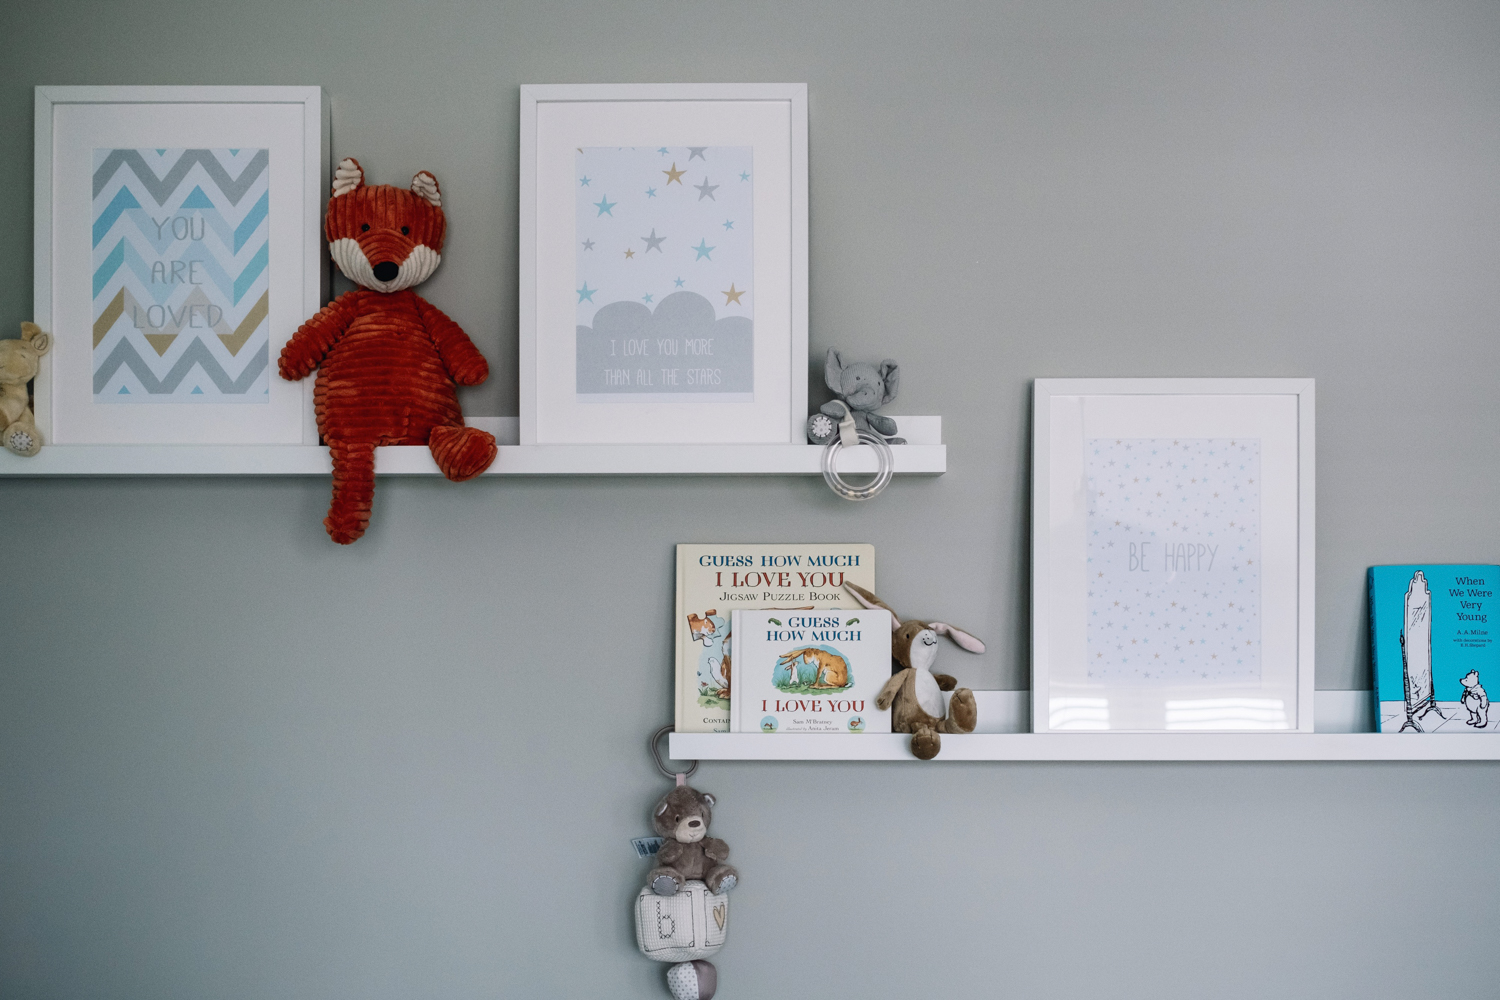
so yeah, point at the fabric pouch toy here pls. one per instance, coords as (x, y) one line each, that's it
(388, 361)
(19, 360)
(914, 693)
(860, 388)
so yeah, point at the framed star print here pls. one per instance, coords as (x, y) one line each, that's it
(177, 249)
(663, 264)
(1172, 555)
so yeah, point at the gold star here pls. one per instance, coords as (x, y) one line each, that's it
(732, 295)
(674, 174)
(629, 254)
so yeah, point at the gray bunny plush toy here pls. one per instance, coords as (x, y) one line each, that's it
(861, 387)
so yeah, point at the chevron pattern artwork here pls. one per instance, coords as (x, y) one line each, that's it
(181, 276)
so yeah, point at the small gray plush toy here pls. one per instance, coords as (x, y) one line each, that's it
(863, 387)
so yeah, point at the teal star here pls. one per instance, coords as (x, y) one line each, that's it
(728, 223)
(651, 192)
(679, 285)
(583, 182)
(703, 250)
(646, 297)
(745, 176)
(605, 205)
(663, 151)
(586, 292)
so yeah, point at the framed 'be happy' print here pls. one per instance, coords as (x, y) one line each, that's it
(177, 249)
(663, 264)
(1172, 555)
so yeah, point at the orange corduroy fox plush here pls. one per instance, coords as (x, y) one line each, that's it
(388, 361)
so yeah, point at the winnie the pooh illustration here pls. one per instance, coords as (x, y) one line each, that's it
(388, 361)
(1475, 700)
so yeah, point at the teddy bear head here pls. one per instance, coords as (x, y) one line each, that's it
(382, 237)
(864, 386)
(683, 814)
(19, 359)
(1471, 679)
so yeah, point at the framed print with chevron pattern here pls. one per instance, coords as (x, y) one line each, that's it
(178, 248)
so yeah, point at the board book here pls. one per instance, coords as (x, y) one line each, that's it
(714, 580)
(1432, 649)
(811, 671)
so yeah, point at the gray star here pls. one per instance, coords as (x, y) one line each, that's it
(706, 190)
(698, 152)
(588, 244)
(653, 242)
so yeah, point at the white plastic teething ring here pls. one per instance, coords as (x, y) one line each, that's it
(848, 436)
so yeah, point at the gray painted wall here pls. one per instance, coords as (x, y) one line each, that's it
(237, 761)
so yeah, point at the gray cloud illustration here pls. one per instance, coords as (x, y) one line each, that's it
(680, 347)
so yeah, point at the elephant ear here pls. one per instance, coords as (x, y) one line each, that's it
(958, 635)
(891, 375)
(833, 371)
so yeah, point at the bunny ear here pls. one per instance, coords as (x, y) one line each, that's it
(958, 635)
(425, 186)
(348, 176)
(869, 600)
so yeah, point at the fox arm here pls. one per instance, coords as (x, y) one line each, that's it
(888, 693)
(462, 358)
(946, 682)
(315, 338)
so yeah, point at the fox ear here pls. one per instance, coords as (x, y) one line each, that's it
(348, 176)
(425, 186)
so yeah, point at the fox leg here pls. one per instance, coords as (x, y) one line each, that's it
(462, 452)
(353, 489)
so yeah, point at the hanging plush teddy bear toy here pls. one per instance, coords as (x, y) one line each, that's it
(388, 361)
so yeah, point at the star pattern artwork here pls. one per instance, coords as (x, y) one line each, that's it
(665, 273)
(1173, 552)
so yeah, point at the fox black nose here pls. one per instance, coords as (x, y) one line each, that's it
(387, 270)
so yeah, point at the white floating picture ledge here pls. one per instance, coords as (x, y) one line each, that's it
(1344, 719)
(925, 456)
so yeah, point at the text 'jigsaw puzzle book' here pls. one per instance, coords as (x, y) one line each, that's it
(714, 580)
(811, 671)
(1432, 648)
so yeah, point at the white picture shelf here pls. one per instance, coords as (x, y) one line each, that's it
(925, 456)
(1344, 720)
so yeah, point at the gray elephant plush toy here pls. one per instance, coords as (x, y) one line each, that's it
(863, 387)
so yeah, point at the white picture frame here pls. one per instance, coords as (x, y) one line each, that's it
(74, 126)
(559, 119)
(1086, 673)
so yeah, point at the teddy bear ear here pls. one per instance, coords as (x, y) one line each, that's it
(710, 800)
(661, 808)
(425, 186)
(348, 176)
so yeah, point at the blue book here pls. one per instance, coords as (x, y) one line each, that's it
(1432, 648)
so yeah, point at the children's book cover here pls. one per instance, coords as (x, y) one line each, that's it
(714, 580)
(811, 671)
(1431, 647)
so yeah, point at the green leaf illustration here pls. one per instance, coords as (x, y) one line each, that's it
(774, 621)
(852, 621)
